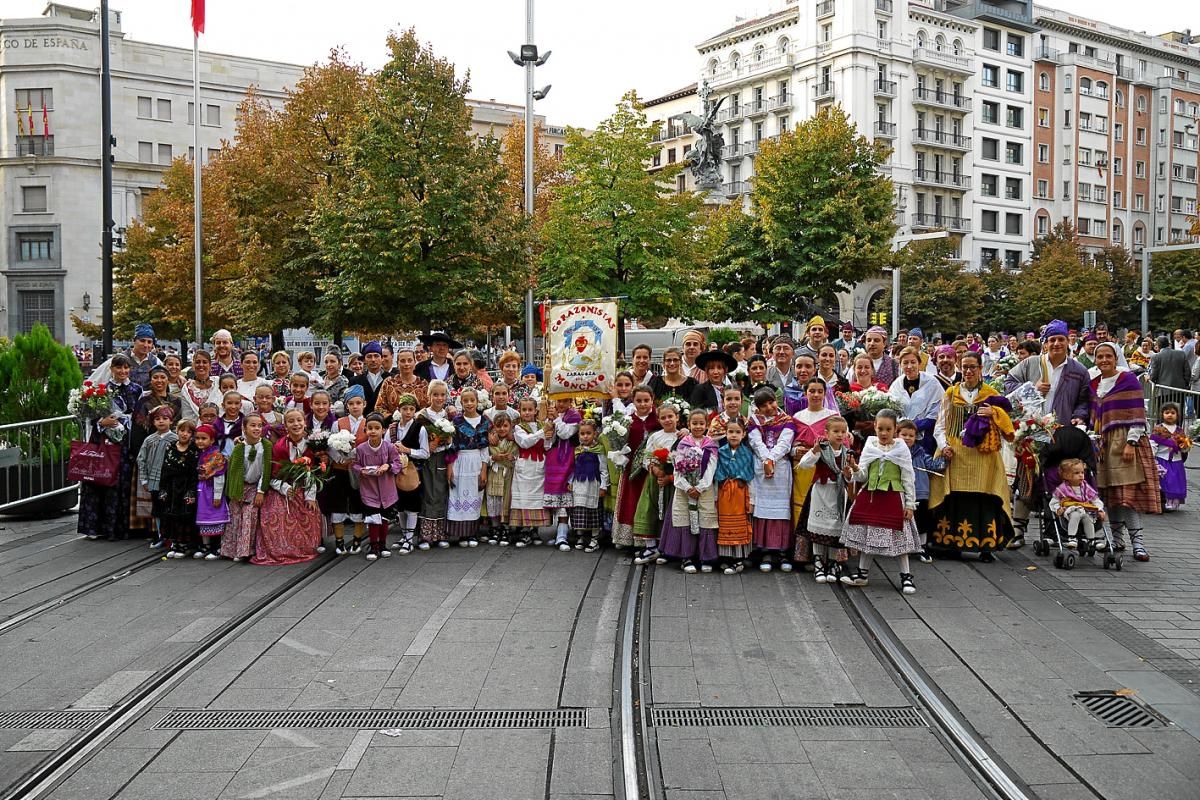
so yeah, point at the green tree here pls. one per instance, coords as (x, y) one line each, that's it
(934, 288)
(614, 228)
(1125, 282)
(1175, 287)
(998, 307)
(37, 375)
(420, 234)
(823, 219)
(1060, 282)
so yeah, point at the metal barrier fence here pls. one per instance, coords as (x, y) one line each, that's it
(1157, 395)
(33, 466)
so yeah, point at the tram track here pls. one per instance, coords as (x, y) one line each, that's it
(40, 780)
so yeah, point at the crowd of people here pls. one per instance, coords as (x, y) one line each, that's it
(771, 453)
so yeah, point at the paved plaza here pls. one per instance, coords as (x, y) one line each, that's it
(1009, 645)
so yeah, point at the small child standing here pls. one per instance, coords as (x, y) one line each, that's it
(659, 488)
(410, 439)
(175, 501)
(684, 536)
(339, 499)
(466, 470)
(1076, 501)
(264, 406)
(435, 486)
(377, 463)
(498, 495)
(207, 414)
(924, 465)
(1171, 447)
(734, 477)
(298, 385)
(212, 512)
(246, 485)
(228, 427)
(881, 520)
(824, 513)
(589, 485)
(149, 466)
(528, 510)
(562, 429)
(770, 435)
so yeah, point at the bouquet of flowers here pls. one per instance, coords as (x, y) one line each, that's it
(873, 400)
(615, 429)
(682, 407)
(849, 404)
(1032, 432)
(304, 473)
(318, 440)
(688, 463)
(281, 404)
(341, 446)
(90, 402)
(440, 432)
(1180, 439)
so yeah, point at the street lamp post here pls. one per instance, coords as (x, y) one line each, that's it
(529, 59)
(897, 243)
(1145, 296)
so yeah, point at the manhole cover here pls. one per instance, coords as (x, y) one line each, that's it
(806, 716)
(374, 718)
(48, 720)
(1119, 711)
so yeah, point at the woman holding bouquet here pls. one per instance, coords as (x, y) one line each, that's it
(970, 504)
(104, 510)
(919, 394)
(289, 528)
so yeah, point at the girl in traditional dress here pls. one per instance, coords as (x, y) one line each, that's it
(925, 466)
(156, 395)
(589, 485)
(1126, 473)
(466, 470)
(561, 429)
(246, 485)
(208, 414)
(289, 529)
(149, 467)
(175, 500)
(228, 427)
(970, 503)
(827, 357)
(622, 399)
(435, 487)
(528, 509)
(921, 395)
(810, 430)
(264, 406)
(1171, 447)
(731, 408)
(658, 490)
(502, 459)
(281, 373)
(500, 406)
(376, 462)
(771, 433)
(298, 386)
(321, 416)
(642, 423)
(734, 477)
(689, 531)
(410, 438)
(881, 520)
(340, 499)
(824, 510)
(212, 512)
(104, 510)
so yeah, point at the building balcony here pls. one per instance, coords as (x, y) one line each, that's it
(885, 130)
(732, 151)
(735, 188)
(757, 108)
(948, 180)
(780, 102)
(941, 221)
(733, 114)
(885, 88)
(825, 8)
(1014, 14)
(750, 148)
(670, 132)
(883, 6)
(932, 97)
(943, 60)
(823, 91)
(944, 139)
(1044, 53)
(750, 67)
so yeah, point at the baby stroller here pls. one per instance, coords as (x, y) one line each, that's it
(1068, 442)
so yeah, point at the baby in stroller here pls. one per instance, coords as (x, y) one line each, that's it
(1077, 502)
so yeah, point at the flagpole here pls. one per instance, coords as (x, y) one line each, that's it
(198, 203)
(106, 181)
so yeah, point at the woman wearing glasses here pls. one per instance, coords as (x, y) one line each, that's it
(673, 381)
(970, 503)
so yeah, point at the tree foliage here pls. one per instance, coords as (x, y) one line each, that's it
(1175, 287)
(420, 234)
(823, 219)
(1060, 282)
(615, 229)
(37, 375)
(936, 292)
(1125, 282)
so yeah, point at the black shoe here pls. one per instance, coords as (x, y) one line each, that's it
(1017, 542)
(906, 583)
(986, 557)
(924, 556)
(856, 578)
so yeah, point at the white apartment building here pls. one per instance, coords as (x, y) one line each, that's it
(955, 87)
(674, 138)
(50, 139)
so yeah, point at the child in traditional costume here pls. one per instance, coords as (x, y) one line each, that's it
(175, 501)
(502, 460)
(410, 438)
(1077, 502)
(881, 520)
(561, 428)
(466, 470)
(149, 466)
(734, 477)
(264, 406)
(771, 433)
(228, 427)
(824, 510)
(376, 462)
(589, 485)
(1171, 446)
(435, 486)
(340, 499)
(321, 416)
(810, 430)
(212, 512)
(289, 530)
(642, 422)
(924, 466)
(246, 485)
(689, 531)
(658, 490)
(528, 509)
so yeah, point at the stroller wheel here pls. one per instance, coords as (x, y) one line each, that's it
(1058, 560)
(1109, 560)
(1069, 561)
(1039, 548)
(1117, 563)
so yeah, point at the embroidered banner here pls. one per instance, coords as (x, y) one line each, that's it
(581, 338)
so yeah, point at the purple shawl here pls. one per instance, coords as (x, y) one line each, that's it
(560, 459)
(1123, 407)
(976, 427)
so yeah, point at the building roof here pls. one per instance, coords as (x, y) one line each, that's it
(788, 11)
(690, 89)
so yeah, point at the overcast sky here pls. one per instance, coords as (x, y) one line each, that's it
(601, 49)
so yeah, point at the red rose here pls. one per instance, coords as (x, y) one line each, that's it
(102, 391)
(87, 383)
(662, 454)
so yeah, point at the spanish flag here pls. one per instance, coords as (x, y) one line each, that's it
(198, 18)
(45, 118)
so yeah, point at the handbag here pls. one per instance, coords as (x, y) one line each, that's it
(409, 478)
(97, 464)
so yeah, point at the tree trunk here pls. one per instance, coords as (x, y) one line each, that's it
(276, 340)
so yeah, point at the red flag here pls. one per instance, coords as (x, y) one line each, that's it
(30, 110)
(198, 16)
(45, 118)
(542, 315)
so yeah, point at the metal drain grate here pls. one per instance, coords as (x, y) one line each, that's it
(797, 716)
(371, 718)
(48, 720)
(1119, 711)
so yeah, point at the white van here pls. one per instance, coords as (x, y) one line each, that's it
(659, 339)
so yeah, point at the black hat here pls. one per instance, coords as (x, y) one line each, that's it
(709, 356)
(438, 336)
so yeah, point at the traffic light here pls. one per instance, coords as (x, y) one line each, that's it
(879, 317)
